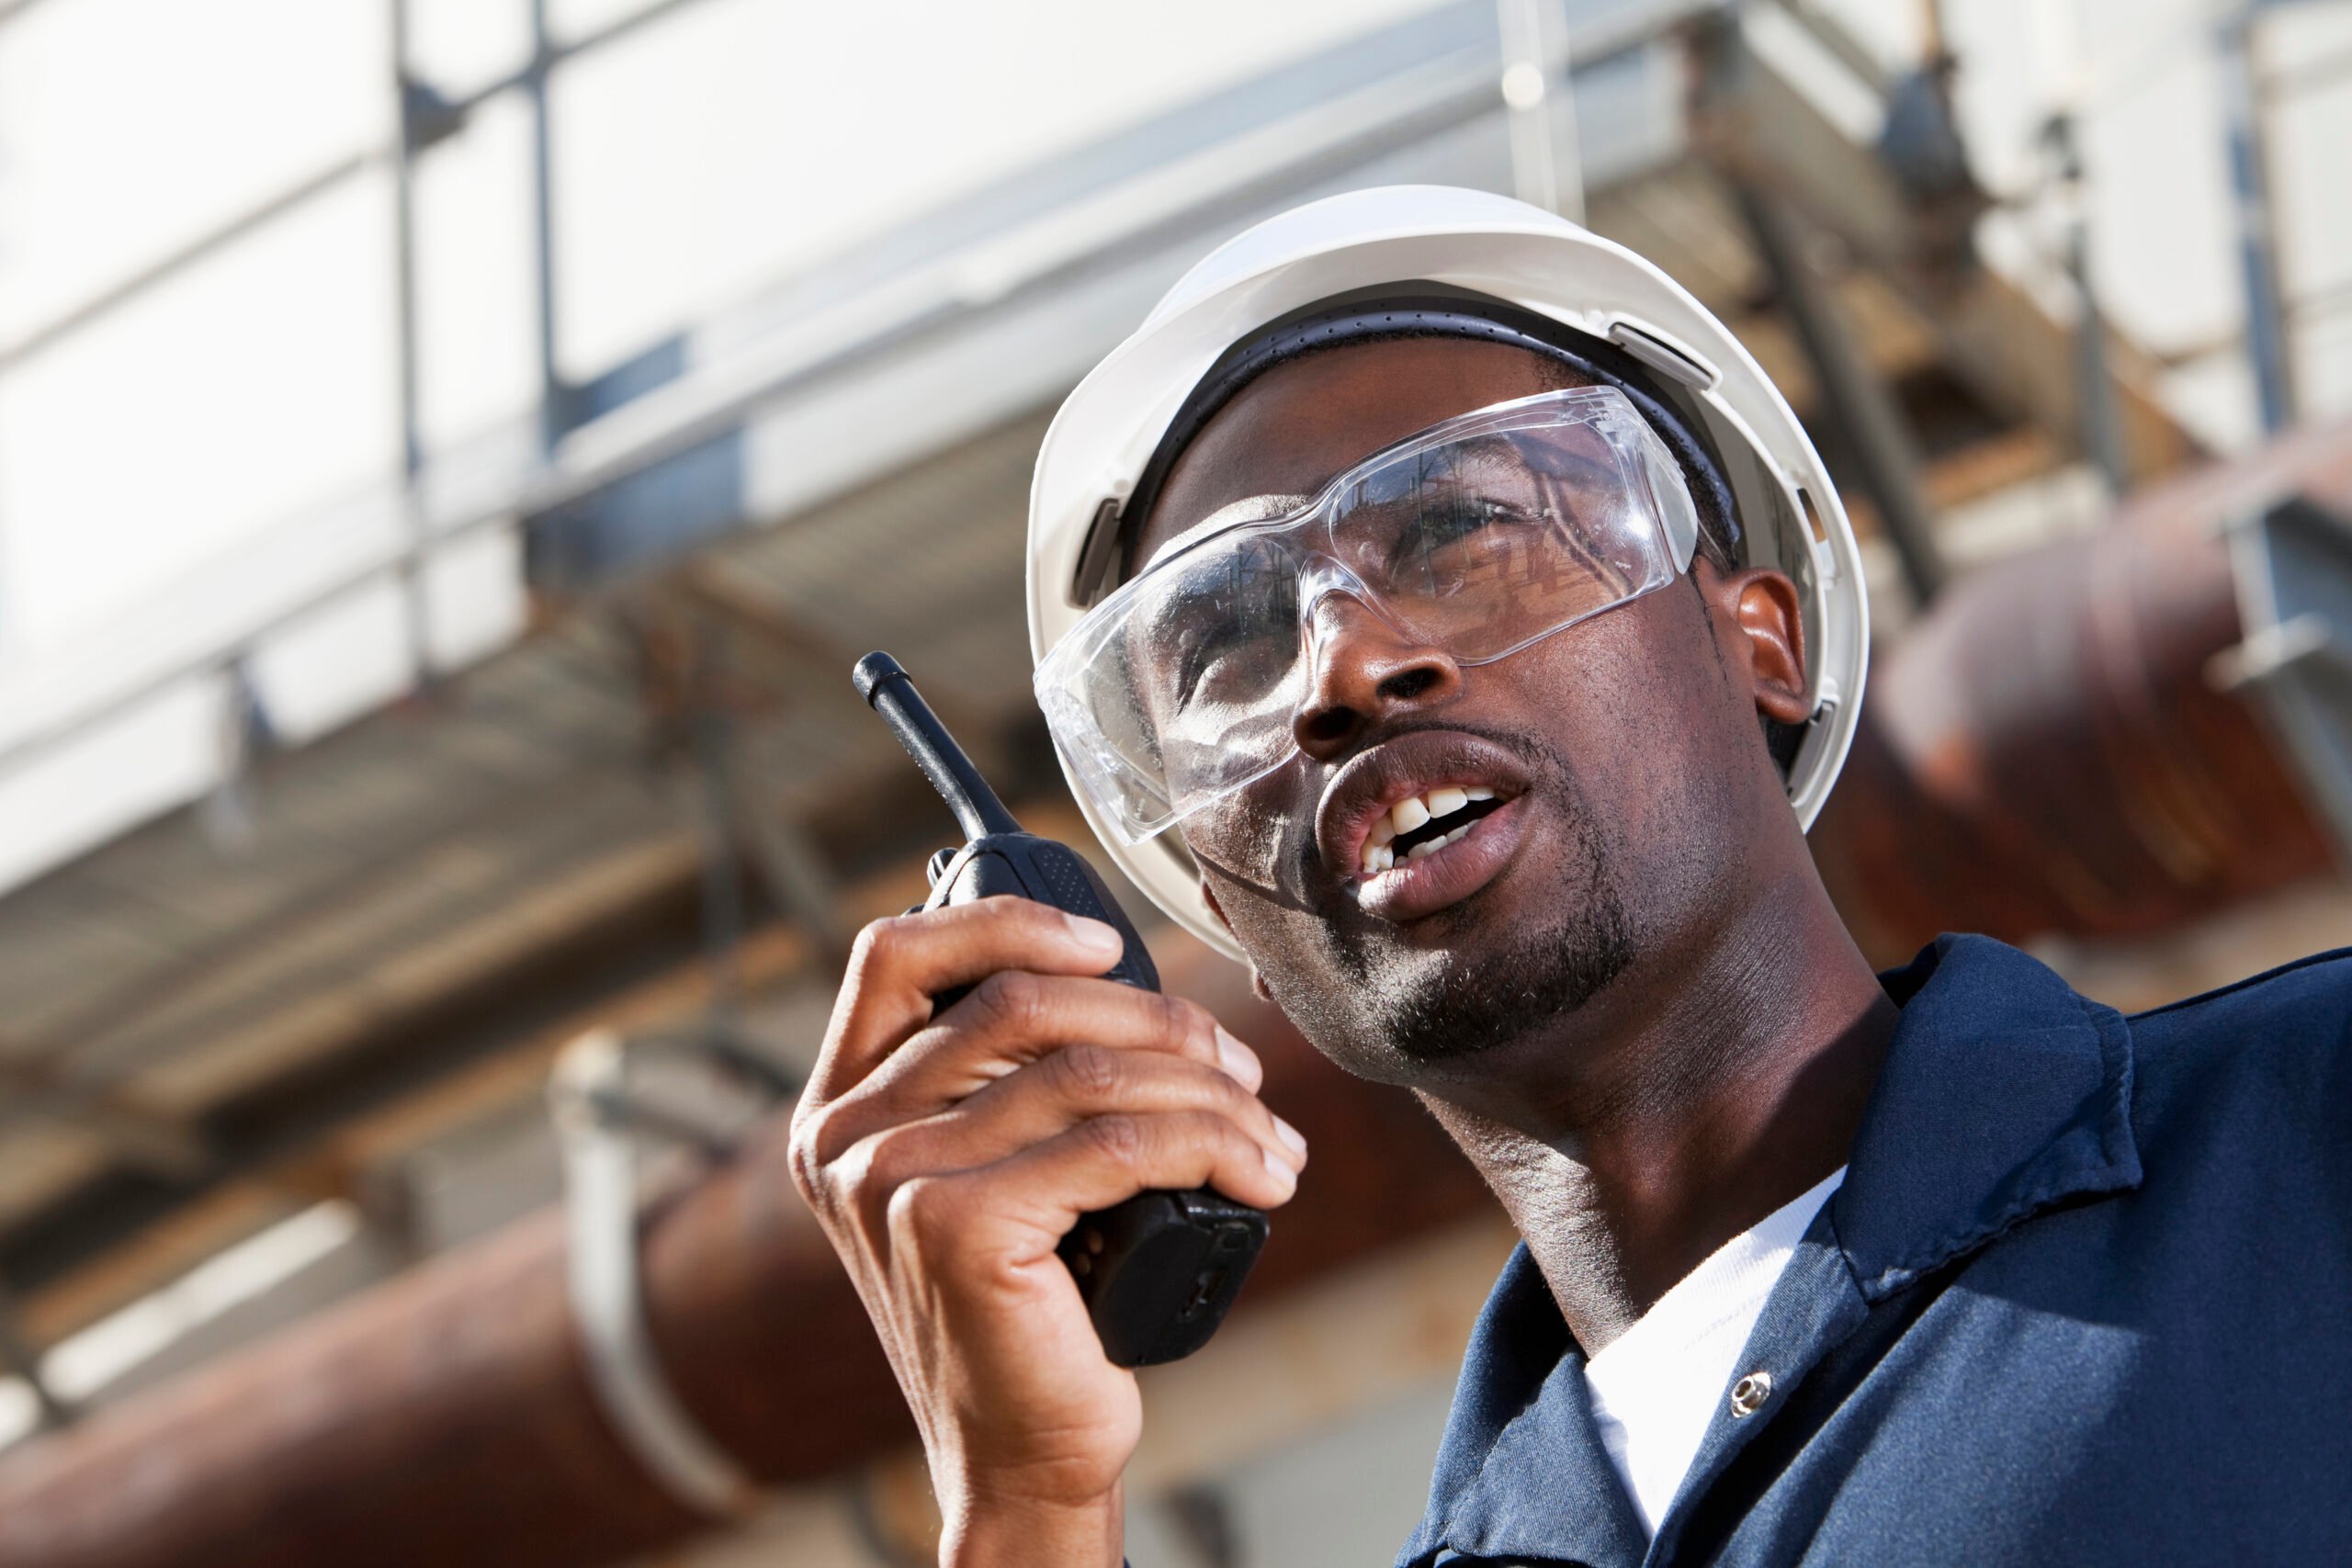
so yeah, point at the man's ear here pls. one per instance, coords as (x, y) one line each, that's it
(1763, 604)
(1257, 983)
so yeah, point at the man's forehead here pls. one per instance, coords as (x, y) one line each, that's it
(1290, 431)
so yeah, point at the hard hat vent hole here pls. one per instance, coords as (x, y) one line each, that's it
(1812, 517)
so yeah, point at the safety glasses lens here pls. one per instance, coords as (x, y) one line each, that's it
(1184, 685)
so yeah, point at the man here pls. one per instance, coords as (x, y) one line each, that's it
(1428, 613)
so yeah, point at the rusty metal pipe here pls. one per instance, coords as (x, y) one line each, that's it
(446, 1417)
(2048, 752)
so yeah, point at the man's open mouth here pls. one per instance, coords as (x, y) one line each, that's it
(1421, 820)
(1421, 825)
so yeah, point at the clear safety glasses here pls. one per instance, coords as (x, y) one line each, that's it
(1477, 536)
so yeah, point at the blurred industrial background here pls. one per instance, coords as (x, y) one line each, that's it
(452, 450)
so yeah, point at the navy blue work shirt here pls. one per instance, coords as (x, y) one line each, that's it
(2084, 1297)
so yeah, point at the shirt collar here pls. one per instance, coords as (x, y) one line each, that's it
(1520, 1471)
(2002, 1092)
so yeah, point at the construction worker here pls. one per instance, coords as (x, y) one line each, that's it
(1438, 610)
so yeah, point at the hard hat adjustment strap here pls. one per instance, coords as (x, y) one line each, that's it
(1098, 554)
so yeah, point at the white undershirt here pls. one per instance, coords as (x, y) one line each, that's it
(1656, 1386)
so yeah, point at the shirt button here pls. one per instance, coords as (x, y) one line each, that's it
(1748, 1394)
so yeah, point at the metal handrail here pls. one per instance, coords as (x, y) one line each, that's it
(317, 183)
(212, 241)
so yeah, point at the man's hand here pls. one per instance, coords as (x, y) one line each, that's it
(948, 1154)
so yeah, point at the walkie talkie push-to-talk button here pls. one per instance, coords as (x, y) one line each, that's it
(1158, 1271)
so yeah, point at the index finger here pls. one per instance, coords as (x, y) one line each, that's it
(898, 965)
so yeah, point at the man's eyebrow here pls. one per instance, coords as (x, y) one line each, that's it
(1489, 452)
(1249, 509)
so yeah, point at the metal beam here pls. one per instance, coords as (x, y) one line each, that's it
(416, 603)
(2237, 45)
(2326, 302)
(1538, 94)
(1859, 404)
(2099, 430)
(555, 415)
(161, 1144)
(16, 1358)
(211, 244)
(2307, 76)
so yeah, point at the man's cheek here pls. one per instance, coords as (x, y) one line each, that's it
(1289, 941)
(1622, 718)
(1268, 927)
(1258, 840)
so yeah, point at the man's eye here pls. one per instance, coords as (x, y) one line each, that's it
(1232, 662)
(1460, 518)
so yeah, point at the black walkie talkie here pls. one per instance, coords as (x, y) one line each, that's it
(1157, 1272)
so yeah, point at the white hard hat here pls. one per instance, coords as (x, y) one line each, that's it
(1506, 251)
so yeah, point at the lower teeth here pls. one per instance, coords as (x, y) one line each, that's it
(1430, 846)
(1387, 859)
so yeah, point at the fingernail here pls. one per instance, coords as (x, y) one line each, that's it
(1093, 933)
(1240, 1062)
(1290, 1136)
(1283, 1174)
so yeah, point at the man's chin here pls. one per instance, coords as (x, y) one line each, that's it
(1545, 935)
(1388, 1003)
(1466, 1001)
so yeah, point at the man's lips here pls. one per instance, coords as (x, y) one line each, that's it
(1381, 800)
(1447, 876)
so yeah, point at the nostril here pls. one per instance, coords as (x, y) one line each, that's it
(1331, 724)
(1407, 684)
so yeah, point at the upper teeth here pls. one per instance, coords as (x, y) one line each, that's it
(1412, 812)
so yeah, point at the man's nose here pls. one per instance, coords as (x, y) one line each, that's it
(1366, 672)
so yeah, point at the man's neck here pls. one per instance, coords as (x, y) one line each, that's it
(1689, 1106)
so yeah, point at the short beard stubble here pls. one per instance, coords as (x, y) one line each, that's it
(1458, 1007)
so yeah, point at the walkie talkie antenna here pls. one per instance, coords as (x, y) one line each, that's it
(1157, 1270)
(890, 692)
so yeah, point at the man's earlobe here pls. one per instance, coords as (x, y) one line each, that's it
(1257, 981)
(1771, 621)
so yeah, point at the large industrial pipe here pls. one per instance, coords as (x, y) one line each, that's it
(446, 1417)
(2057, 748)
